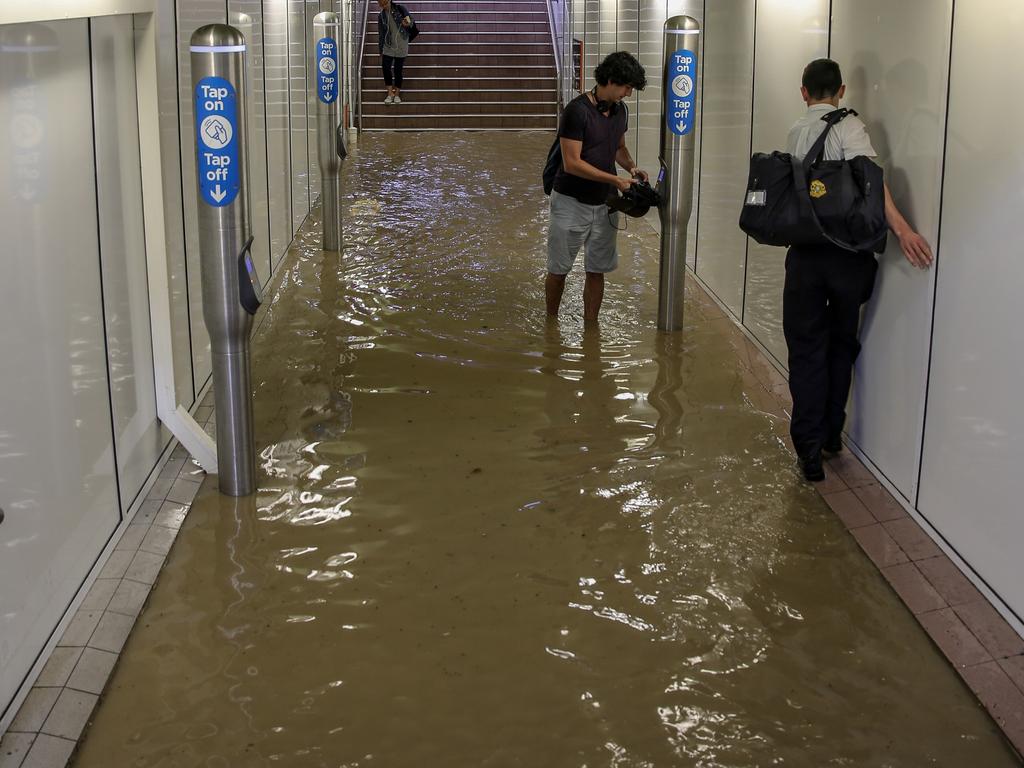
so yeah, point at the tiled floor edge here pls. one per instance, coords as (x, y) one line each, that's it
(70, 676)
(964, 619)
(1016, 624)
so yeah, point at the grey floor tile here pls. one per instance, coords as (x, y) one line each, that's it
(172, 467)
(147, 511)
(160, 489)
(183, 491)
(49, 752)
(92, 671)
(70, 714)
(116, 564)
(99, 595)
(159, 540)
(59, 667)
(179, 452)
(34, 710)
(81, 628)
(133, 536)
(129, 597)
(145, 567)
(13, 748)
(171, 515)
(111, 632)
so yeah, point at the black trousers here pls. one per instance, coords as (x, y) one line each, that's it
(825, 288)
(386, 64)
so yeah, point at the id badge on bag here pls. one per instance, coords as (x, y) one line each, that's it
(755, 197)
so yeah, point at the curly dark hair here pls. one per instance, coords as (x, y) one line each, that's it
(621, 68)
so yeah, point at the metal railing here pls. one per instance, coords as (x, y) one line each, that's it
(359, 23)
(557, 29)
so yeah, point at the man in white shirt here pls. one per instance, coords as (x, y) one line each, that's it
(826, 285)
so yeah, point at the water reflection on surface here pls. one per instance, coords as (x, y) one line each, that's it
(484, 539)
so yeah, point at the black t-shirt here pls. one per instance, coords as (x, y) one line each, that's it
(601, 137)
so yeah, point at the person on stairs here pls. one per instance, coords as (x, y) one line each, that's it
(394, 31)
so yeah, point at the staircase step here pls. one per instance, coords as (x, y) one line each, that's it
(412, 105)
(460, 122)
(468, 95)
(376, 82)
(426, 46)
(480, 31)
(509, 61)
(461, 6)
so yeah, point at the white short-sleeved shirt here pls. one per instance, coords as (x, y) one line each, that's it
(847, 140)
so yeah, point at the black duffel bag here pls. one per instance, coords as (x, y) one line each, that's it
(815, 201)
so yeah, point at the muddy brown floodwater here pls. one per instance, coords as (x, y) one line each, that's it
(481, 539)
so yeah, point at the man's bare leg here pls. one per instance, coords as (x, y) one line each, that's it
(553, 287)
(593, 293)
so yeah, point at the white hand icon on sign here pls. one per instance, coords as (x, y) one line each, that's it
(327, 65)
(216, 132)
(682, 86)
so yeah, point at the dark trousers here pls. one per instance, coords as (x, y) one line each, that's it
(825, 288)
(387, 62)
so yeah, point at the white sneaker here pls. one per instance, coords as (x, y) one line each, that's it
(397, 99)
(389, 99)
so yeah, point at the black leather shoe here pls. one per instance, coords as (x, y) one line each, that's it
(812, 469)
(833, 445)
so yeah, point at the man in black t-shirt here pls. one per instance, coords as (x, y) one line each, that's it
(593, 138)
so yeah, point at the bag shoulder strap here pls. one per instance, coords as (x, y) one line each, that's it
(817, 150)
(801, 168)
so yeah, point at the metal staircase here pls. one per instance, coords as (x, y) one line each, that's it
(476, 65)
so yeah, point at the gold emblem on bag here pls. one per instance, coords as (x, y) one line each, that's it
(818, 189)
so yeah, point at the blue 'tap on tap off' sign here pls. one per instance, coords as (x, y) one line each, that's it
(327, 69)
(681, 92)
(216, 123)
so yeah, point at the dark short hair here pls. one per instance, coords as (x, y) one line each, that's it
(621, 68)
(822, 79)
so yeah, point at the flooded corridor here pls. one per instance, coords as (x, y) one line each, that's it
(484, 539)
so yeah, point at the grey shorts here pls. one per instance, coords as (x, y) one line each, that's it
(573, 224)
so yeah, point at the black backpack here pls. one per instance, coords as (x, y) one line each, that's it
(554, 161)
(814, 201)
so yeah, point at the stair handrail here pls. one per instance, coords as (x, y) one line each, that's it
(357, 65)
(555, 49)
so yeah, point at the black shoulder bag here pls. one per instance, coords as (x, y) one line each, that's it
(815, 201)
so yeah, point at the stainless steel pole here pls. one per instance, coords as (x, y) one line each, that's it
(327, 75)
(682, 50)
(231, 288)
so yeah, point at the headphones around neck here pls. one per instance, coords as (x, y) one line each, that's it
(611, 107)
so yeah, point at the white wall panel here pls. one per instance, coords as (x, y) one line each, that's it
(592, 49)
(174, 223)
(193, 14)
(725, 147)
(895, 61)
(138, 436)
(607, 41)
(627, 33)
(247, 16)
(974, 434)
(312, 8)
(647, 123)
(57, 475)
(788, 35)
(279, 165)
(297, 106)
